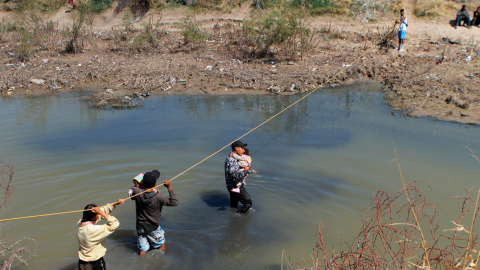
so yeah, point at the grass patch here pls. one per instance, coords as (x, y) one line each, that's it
(193, 36)
(98, 6)
(436, 8)
(283, 31)
(49, 6)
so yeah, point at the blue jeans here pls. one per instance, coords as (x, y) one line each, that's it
(153, 239)
(466, 20)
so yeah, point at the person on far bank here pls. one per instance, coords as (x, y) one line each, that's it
(234, 173)
(476, 17)
(463, 15)
(91, 237)
(148, 204)
(402, 30)
(72, 3)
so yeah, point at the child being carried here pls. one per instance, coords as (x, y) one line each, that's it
(243, 161)
(138, 182)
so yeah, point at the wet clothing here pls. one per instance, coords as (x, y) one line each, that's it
(95, 265)
(91, 237)
(463, 15)
(149, 205)
(233, 174)
(243, 161)
(242, 197)
(152, 239)
(149, 208)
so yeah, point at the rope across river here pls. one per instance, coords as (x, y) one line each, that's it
(216, 152)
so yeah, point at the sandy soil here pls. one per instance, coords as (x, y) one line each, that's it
(431, 78)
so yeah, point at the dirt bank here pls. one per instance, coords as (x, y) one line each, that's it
(431, 78)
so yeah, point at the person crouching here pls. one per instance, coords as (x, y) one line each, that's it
(91, 237)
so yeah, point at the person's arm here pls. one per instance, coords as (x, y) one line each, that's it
(237, 157)
(172, 200)
(108, 208)
(110, 227)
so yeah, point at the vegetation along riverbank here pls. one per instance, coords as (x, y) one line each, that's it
(128, 50)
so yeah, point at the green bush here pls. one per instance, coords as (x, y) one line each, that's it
(285, 29)
(97, 6)
(192, 34)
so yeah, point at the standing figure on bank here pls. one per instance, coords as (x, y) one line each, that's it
(402, 30)
(234, 174)
(149, 210)
(91, 237)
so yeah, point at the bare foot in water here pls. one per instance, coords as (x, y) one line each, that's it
(141, 253)
(162, 247)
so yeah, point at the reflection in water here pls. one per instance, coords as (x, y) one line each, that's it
(235, 247)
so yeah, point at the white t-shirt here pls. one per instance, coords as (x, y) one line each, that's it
(403, 25)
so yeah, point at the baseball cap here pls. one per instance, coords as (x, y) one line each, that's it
(238, 144)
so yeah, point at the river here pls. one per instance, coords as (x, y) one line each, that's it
(322, 160)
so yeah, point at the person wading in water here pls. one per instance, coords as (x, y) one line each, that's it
(91, 237)
(149, 208)
(235, 174)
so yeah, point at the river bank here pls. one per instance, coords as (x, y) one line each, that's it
(431, 78)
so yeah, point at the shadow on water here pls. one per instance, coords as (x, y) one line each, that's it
(216, 199)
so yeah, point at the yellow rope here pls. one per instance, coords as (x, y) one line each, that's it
(216, 152)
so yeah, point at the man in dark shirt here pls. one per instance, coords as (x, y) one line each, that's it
(235, 174)
(463, 15)
(476, 17)
(149, 203)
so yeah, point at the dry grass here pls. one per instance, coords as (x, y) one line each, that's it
(436, 8)
(9, 248)
(401, 234)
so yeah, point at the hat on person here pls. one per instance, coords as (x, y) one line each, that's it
(149, 178)
(402, 10)
(238, 144)
(138, 178)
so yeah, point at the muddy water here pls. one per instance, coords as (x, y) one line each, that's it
(320, 161)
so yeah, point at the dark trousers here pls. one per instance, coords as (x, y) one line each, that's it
(476, 20)
(95, 265)
(465, 20)
(242, 197)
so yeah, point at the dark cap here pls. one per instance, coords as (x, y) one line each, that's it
(402, 10)
(149, 178)
(238, 144)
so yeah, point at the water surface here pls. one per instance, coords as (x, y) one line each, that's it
(322, 160)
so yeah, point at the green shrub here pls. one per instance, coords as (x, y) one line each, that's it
(81, 17)
(193, 36)
(149, 35)
(24, 47)
(40, 5)
(285, 29)
(97, 6)
(138, 43)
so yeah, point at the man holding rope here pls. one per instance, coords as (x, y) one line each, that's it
(234, 174)
(149, 203)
